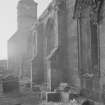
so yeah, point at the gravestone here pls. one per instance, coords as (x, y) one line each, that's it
(10, 84)
(53, 97)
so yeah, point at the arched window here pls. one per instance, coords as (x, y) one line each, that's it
(51, 37)
(34, 43)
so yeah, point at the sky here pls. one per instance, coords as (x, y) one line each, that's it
(8, 21)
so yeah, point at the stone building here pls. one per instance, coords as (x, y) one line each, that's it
(56, 60)
(70, 46)
(67, 45)
(21, 44)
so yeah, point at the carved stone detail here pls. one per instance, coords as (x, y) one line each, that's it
(93, 5)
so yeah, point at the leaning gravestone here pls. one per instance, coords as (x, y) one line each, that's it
(54, 97)
(10, 84)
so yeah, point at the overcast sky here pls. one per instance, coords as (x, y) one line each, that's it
(8, 21)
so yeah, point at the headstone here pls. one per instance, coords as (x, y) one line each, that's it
(65, 97)
(53, 97)
(10, 84)
(88, 102)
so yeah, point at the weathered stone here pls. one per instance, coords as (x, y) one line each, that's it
(88, 16)
(66, 50)
(53, 97)
(57, 46)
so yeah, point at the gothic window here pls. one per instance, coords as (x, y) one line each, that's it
(35, 44)
(50, 37)
(94, 44)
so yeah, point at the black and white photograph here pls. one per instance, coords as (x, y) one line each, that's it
(52, 52)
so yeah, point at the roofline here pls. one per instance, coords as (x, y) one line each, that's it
(45, 12)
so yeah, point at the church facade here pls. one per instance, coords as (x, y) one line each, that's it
(66, 46)
(58, 45)
(71, 46)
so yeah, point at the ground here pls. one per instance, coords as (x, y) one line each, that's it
(25, 97)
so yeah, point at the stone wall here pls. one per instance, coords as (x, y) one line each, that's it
(65, 58)
(38, 61)
(60, 52)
